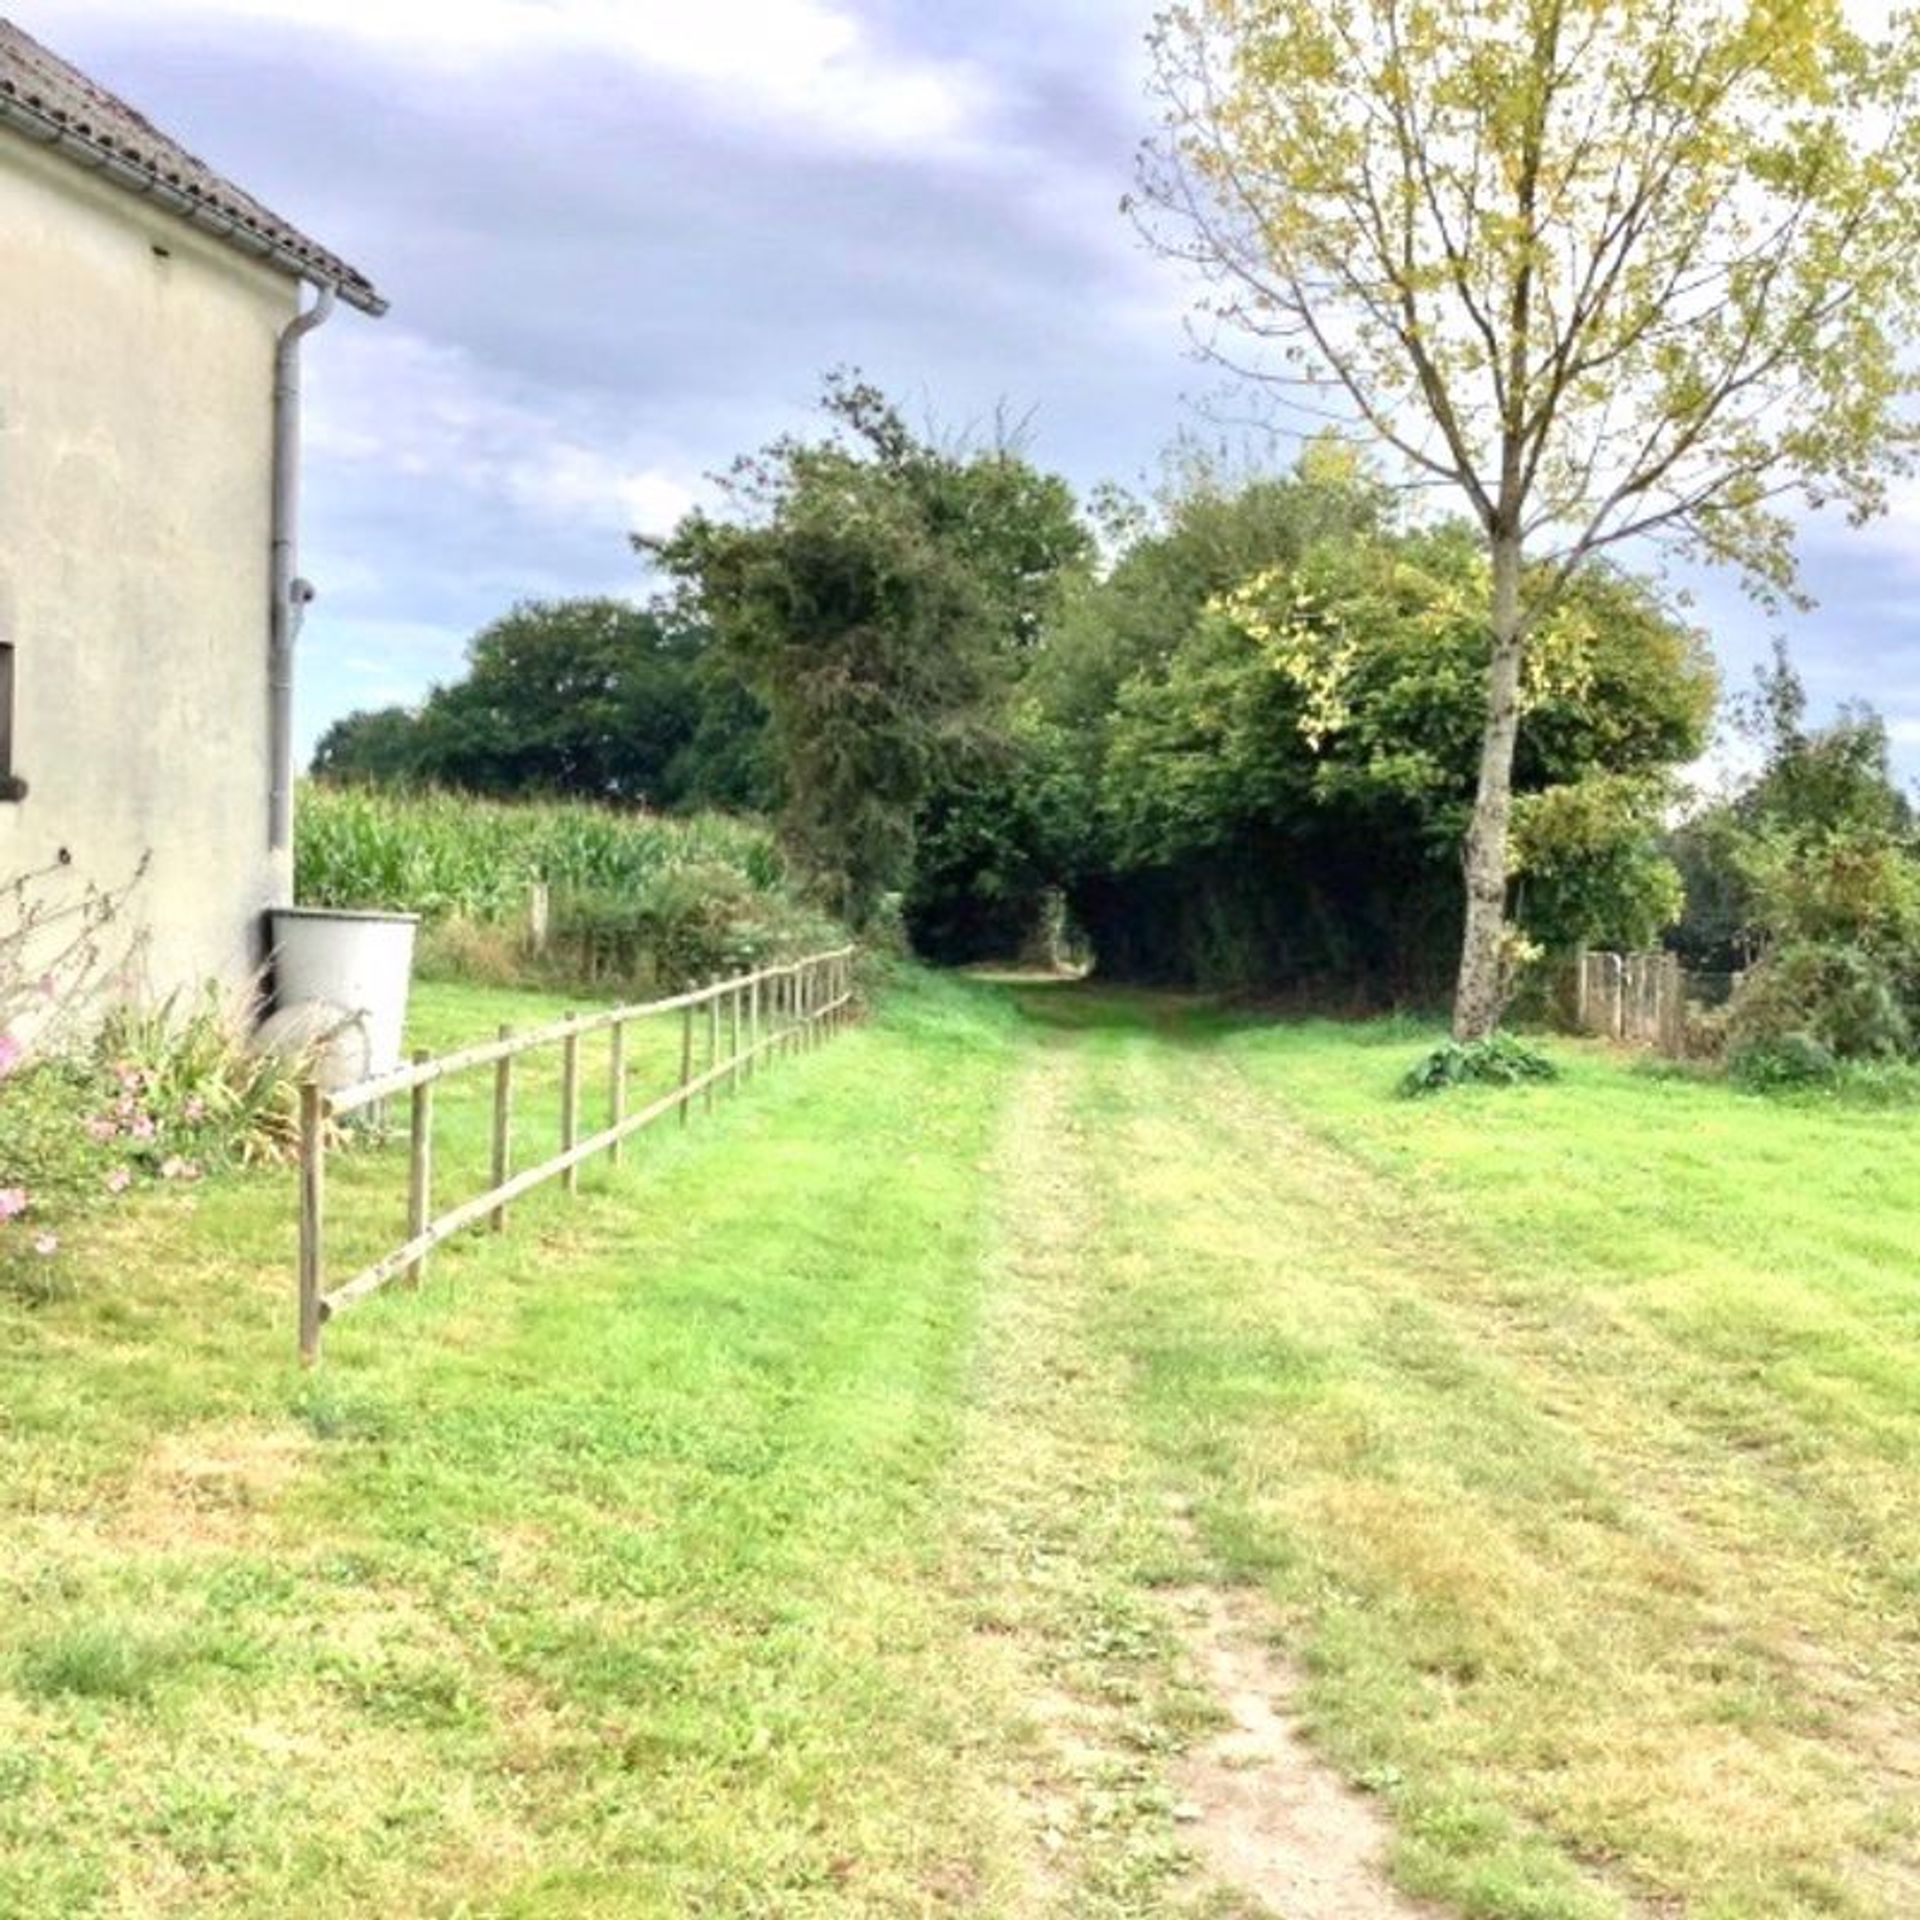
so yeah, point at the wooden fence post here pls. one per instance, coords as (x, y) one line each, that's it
(570, 1103)
(753, 1024)
(502, 1128)
(419, 1168)
(617, 1108)
(686, 1062)
(713, 1043)
(539, 916)
(734, 1024)
(313, 1216)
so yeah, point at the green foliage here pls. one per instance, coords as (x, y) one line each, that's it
(1787, 1062)
(1499, 1060)
(437, 854)
(694, 923)
(376, 747)
(1814, 866)
(878, 594)
(191, 1069)
(1841, 997)
(164, 1095)
(1275, 788)
(983, 878)
(95, 1661)
(636, 900)
(594, 698)
(1609, 274)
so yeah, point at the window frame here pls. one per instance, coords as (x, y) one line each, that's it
(12, 787)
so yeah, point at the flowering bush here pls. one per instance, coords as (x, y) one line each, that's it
(156, 1097)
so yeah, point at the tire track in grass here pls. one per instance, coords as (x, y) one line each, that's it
(1159, 1774)
(1532, 1610)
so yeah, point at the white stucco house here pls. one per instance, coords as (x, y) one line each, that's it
(151, 316)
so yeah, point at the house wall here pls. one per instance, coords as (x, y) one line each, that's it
(136, 416)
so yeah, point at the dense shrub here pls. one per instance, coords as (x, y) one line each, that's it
(697, 922)
(1500, 1060)
(1785, 1063)
(1843, 999)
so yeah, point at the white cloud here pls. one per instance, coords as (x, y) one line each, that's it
(590, 486)
(409, 409)
(814, 64)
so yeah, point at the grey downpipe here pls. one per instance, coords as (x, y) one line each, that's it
(290, 592)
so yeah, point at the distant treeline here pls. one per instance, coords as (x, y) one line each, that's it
(1234, 728)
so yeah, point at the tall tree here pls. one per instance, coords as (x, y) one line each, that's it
(593, 697)
(878, 593)
(1611, 269)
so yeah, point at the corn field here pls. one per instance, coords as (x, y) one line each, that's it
(444, 855)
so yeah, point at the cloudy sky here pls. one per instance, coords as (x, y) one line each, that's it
(623, 239)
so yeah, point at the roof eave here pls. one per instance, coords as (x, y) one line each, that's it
(48, 131)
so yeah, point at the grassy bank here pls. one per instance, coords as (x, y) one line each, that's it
(809, 1520)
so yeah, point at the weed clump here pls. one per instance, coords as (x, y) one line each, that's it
(1500, 1060)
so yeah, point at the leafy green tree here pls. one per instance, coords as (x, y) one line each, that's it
(377, 747)
(1608, 269)
(597, 698)
(593, 697)
(1822, 819)
(1278, 789)
(879, 595)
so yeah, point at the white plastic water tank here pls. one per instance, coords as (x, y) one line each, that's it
(361, 963)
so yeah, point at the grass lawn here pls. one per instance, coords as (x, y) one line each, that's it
(796, 1523)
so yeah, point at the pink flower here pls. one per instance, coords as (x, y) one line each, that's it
(119, 1180)
(141, 1126)
(174, 1168)
(13, 1202)
(47, 1245)
(100, 1130)
(196, 1110)
(11, 1054)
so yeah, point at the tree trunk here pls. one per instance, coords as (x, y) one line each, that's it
(1477, 998)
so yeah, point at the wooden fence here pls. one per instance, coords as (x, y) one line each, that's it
(1638, 998)
(746, 1020)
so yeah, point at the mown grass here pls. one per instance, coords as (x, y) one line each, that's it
(787, 1526)
(1574, 1432)
(602, 1576)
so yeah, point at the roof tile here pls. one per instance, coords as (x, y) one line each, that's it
(48, 100)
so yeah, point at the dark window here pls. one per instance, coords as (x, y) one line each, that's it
(9, 781)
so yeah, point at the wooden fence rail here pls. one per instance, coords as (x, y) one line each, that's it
(747, 1020)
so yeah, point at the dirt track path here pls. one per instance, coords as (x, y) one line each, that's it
(1167, 1772)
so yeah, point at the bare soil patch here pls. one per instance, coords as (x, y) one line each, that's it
(210, 1486)
(1263, 1811)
